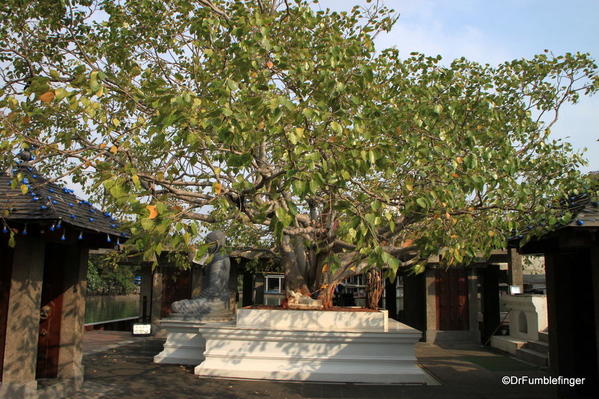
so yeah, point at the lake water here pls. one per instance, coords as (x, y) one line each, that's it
(104, 308)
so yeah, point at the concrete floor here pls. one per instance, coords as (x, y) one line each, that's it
(119, 366)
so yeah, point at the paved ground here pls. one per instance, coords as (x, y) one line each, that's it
(117, 368)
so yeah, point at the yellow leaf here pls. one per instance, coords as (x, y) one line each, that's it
(100, 92)
(102, 146)
(47, 96)
(114, 149)
(459, 159)
(153, 211)
(217, 188)
(136, 181)
(325, 268)
(116, 122)
(491, 233)
(24, 189)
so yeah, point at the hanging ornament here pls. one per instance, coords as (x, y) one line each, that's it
(63, 237)
(118, 241)
(59, 224)
(108, 238)
(53, 227)
(5, 229)
(24, 232)
(80, 236)
(91, 219)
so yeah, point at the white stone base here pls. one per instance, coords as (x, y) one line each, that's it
(507, 344)
(184, 344)
(371, 356)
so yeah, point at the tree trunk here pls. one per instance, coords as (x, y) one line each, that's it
(326, 295)
(294, 267)
(374, 288)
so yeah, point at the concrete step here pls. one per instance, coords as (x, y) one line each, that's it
(534, 357)
(543, 336)
(537, 346)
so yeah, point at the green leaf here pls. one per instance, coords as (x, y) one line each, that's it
(299, 187)
(147, 224)
(336, 127)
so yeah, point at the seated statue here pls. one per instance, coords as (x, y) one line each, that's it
(214, 297)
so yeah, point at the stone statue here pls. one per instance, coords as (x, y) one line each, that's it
(214, 297)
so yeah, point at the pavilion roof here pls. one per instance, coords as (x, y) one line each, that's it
(46, 201)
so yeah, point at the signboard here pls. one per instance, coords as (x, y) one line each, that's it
(142, 329)
(515, 290)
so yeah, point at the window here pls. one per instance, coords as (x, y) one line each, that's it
(274, 284)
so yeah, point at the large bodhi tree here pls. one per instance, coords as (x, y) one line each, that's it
(284, 125)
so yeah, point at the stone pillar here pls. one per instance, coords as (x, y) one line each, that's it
(259, 283)
(515, 273)
(490, 301)
(473, 304)
(145, 290)
(431, 305)
(70, 358)
(247, 297)
(595, 272)
(156, 305)
(22, 325)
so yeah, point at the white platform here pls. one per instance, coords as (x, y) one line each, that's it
(308, 351)
(313, 320)
(184, 344)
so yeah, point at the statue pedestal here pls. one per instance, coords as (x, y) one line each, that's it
(319, 346)
(184, 344)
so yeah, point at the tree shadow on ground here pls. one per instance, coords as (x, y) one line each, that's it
(128, 372)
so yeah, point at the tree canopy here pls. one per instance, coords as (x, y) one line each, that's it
(283, 126)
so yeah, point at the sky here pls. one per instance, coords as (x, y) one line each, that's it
(493, 31)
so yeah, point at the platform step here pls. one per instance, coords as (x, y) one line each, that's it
(534, 357)
(543, 336)
(537, 346)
